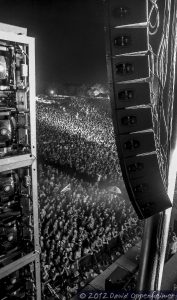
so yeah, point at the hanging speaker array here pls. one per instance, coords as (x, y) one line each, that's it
(128, 68)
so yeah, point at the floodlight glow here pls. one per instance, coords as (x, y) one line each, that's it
(7, 188)
(4, 131)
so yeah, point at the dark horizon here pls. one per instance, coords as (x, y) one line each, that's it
(70, 45)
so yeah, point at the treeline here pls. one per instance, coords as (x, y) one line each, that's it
(83, 90)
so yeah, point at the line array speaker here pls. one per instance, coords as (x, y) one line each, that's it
(129, 71)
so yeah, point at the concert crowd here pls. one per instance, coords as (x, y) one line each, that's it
(86, 220)
(80, 137)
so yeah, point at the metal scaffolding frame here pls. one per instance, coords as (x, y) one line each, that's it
(9, 163)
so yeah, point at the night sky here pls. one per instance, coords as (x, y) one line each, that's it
(70, 45)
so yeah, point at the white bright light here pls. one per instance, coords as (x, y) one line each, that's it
(7, 188)
(2, 69)
(52, 92)
(4, 131)
(172, 174)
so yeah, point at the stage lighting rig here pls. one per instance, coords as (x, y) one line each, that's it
(7, 67)
(8, 184)
(16, 212)
(19, 285)
(7, 128)
(14, 99)
(19, 222)
(16, 205)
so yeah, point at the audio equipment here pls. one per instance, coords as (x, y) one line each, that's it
(141, 72)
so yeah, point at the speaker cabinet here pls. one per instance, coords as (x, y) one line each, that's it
(130, 67)
(125, 12)
(127, 40)
(130, 78)
(131, 94)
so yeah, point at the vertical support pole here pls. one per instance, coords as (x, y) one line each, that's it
(38, 277)
(153, 251)
(32, 95)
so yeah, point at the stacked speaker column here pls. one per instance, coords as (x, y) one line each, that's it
(129, 75)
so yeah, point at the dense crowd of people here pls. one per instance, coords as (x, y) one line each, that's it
(80, 137)
(85, 224)
(80, 220)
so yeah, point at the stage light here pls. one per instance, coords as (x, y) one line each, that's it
(4, 131)
(7, 184)
(2, 68)
(7, 188)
